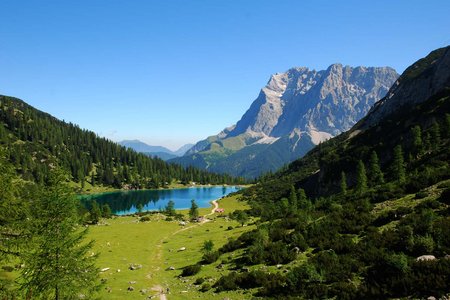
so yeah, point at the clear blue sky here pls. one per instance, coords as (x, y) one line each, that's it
(171, 72)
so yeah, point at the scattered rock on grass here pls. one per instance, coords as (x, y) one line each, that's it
(135, 267)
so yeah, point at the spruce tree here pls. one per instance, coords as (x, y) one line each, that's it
(361, 179)
(57, 264)
(303, 202)
(106, 211)
(293, 199)
(343, 183)
(447, 126)
(435, 136)
(170, 208)
(398, 165)
(193, 211)
(95, 213)
(417, 140)
(376, 175)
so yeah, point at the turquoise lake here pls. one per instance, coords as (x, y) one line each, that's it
(125, 202)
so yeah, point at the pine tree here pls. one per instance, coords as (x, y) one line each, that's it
(376, 175)
(208, 246)
(95, 213)
(57, 264)
(343, 183)
(361, 179)
(106, 211)
(303, 201)
(293, 199)
(447, 126)
(417, 140)
(427, 141)
(13, 213)
(398, 165)
(193, 211)
(170, 208)
(435, 136)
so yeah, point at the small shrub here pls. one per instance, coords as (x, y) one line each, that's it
(191, 270)
(205, 287)
(7, 268)
(144, 219)
(169, 219)
(199, 281)
(210, 257)
(230, 228)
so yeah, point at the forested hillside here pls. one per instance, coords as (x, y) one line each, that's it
(364, 215)
(37, 142)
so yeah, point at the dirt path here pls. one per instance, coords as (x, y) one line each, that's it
(159, 288)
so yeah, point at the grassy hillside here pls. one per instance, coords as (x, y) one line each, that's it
(153, 244)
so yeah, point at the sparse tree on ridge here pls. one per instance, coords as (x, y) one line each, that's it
(376, 175)
(293, 199)
(398, 165)
(361, 179)
(343, 183)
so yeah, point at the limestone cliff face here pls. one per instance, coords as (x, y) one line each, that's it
(419, 82)
(329, 101)
(295, 110)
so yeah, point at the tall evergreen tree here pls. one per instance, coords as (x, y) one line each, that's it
(361, 179)
(417, 140)
(58, 266)
(376, 175)
(170, 208)
(398, 165)
(304, 203)
(106, 211)
(435, 132)
(95, 213)
(293, 199)
(193, 211)
(447, 125)
(343, 183)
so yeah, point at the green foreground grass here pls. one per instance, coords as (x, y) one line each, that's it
(155, 245)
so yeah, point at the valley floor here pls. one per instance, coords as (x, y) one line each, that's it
(154, 249)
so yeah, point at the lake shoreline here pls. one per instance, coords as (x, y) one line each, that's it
(108, 191)
(127, 202)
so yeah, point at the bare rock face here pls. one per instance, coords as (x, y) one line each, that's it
(293, 112)
(330, 101)
(419, 82)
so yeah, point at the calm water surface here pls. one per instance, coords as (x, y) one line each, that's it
(125, 202)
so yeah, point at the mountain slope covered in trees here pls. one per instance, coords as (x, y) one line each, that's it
(37, 142)
(365, 215)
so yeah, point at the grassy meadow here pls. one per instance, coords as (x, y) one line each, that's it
(154, 246)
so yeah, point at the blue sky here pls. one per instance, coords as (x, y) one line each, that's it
(171, 72)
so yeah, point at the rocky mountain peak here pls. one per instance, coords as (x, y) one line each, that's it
(294, 111)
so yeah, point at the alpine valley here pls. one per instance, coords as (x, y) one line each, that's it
(295, 111)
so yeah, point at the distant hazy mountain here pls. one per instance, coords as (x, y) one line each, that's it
(183, 149)
(159, 151)
(293, 112)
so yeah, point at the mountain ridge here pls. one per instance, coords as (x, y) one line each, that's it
(158, 151)
(296, 109)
